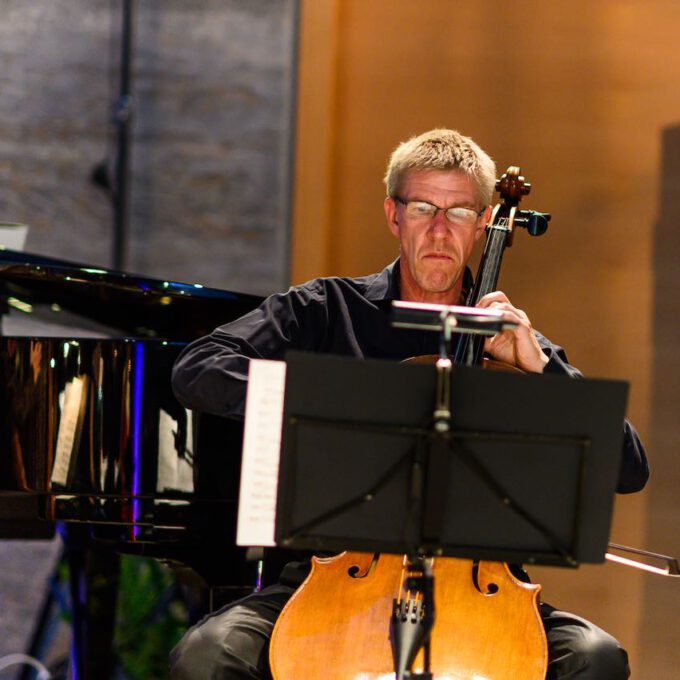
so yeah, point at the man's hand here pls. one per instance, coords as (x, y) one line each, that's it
(518, 346)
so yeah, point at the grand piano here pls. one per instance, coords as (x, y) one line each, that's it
(94, 442)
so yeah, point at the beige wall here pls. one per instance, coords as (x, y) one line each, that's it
(575, 93)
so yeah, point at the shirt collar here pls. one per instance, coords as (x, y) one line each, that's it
(385, 286)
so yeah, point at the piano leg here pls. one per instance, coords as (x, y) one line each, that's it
(94, 571)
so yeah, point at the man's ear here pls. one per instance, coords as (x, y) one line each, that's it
(390, 206)
(482, 222)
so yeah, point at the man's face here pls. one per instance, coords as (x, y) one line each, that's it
(434, 250)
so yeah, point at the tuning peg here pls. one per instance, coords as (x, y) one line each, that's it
(536, 223)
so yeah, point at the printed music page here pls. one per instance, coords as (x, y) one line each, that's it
(261, 453)
(72, 403)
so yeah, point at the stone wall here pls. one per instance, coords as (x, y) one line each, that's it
(211, 134)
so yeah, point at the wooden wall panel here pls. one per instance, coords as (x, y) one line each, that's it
(577, 94)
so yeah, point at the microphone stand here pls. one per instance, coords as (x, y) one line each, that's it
(122, 119)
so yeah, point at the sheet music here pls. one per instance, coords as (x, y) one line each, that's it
(72, 404)
(175, 467)
(261, 453)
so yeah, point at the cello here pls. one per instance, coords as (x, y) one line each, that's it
(345, 619)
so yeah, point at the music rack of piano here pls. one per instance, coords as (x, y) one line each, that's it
(93, 439)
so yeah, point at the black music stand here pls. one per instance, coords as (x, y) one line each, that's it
(385, 457)
(527, 472)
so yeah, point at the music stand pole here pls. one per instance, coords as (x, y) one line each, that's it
(411, 630)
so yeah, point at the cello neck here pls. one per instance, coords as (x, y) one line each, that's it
(512, 187)
(497, 239)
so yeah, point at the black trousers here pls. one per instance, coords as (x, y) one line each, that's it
(233, 643)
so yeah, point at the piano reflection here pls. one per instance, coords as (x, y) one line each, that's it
(93, 437)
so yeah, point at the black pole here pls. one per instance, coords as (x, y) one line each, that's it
(122, 119)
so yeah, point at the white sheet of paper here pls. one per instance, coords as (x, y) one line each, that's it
(71, 403)
(261, 453)
(175, 472)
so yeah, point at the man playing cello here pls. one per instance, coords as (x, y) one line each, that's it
(439, 187)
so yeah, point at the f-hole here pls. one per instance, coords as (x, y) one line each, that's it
(492, 587)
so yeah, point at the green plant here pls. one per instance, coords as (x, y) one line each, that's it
(151, 618)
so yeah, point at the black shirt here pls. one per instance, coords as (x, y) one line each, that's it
(346, 316)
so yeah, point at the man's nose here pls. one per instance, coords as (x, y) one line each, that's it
(439, 225)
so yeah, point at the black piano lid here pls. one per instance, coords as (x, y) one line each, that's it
(111, 488)
(119, 303)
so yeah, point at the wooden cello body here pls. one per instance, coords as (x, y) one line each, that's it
(478, 634)
(488, 627)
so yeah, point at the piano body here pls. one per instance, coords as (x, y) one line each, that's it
(93, 438)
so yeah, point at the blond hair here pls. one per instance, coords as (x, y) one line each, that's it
(442, 149)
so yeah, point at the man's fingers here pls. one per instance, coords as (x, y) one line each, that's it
(490, 298)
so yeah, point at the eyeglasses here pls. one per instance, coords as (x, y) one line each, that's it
(422, 210)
